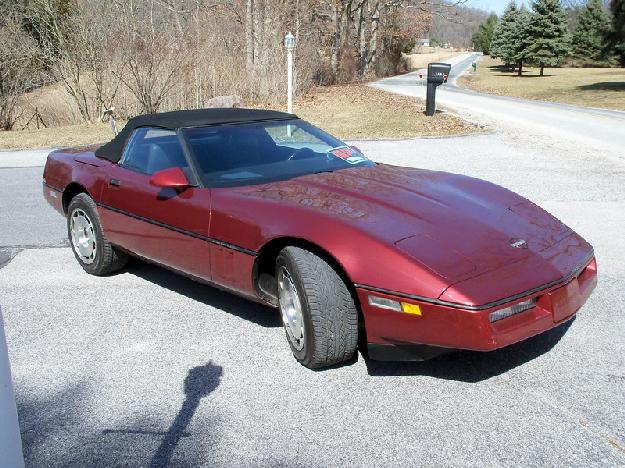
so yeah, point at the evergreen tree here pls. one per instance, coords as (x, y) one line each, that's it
(484, 35)
(588, 40)
(503, 44)
(547, 34)
(521, 34)
(617, 35)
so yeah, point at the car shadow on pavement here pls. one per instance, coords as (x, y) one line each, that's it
(206, 294)
(470, 366)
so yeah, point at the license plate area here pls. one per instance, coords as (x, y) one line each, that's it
(565, 301)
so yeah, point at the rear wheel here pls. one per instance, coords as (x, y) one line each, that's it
(94, 253)
(318, 312)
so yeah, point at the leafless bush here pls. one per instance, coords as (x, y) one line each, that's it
(18, 69)
(348, 67)
(225, 101)
(59, 35)
(157, 55)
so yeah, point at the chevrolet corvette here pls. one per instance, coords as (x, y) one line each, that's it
(409, 262)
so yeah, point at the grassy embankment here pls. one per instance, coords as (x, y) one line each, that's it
(418, 61)
(347, 111)
(589, 87)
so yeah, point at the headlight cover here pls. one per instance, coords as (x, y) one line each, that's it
(512, 310)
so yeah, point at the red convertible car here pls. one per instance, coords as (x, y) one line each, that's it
(413, 262)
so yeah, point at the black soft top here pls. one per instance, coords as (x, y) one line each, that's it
(185, 118)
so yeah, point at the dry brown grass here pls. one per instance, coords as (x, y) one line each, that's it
(70, 135)
(53, 104)
(590, 87)
(361, 112)
(418, 61)
(347, 111)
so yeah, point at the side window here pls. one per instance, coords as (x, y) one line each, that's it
(150, 150)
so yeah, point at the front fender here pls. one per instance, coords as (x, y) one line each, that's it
(367, 260)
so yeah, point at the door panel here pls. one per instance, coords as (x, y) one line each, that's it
(232, 269)
(161, 224)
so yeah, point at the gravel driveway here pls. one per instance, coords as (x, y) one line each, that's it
(148, 368)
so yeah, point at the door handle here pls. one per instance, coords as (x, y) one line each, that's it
(115, 182)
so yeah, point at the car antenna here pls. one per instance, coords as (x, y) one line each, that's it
(109, 113)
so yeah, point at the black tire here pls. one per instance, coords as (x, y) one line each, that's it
(329, 313)
(106, 259)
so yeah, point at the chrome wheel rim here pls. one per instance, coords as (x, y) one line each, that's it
(83, 236)
(291, 309)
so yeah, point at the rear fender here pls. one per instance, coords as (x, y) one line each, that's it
(67, 173)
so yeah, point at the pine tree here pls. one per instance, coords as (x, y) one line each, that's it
(484, 35)
(503, 44)
(617, 36)
(522, 37)
(547, 34)
(588, 40)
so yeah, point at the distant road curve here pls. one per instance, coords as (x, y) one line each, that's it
(580, 128)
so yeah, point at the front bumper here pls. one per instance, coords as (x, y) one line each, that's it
(457, 328)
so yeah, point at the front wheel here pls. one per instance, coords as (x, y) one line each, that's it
(318, 312)
(94, 253)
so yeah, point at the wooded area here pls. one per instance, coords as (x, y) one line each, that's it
(551, 34)
(145, 56)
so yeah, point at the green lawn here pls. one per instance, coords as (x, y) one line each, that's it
(590, 87)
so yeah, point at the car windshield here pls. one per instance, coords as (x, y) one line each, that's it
(260, 152)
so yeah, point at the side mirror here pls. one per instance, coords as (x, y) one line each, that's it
(173, 177)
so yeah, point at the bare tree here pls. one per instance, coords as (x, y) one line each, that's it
(64, 42)
(19, 58)
(157, 55)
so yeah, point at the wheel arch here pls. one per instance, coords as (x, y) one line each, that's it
(264, 266)
(71, 190)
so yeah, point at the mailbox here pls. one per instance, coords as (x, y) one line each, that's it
(438, 72)
(437, 75)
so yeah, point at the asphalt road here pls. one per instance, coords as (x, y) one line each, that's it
(146, 368)
(574, 128)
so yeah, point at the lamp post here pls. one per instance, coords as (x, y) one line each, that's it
(289, 44)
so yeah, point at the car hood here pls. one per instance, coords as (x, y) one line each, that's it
(456, 226)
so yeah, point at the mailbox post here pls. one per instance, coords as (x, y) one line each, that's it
(437, 75)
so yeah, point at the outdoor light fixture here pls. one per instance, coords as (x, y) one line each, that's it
(289, 44)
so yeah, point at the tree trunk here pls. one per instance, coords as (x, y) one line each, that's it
(373, 41)
(297, 37)
(249, 34)
(362, 36)
(520, 70)
(542, 70)
(266, 42)
(257, 31)
(336, 39)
